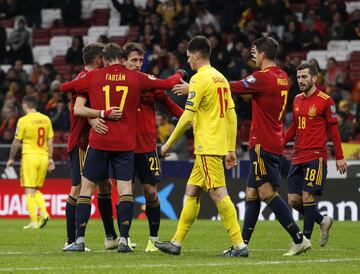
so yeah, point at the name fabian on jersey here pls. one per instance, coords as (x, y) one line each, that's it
(115, 77)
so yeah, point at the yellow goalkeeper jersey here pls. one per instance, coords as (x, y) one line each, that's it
(210, 98)
(34, 129)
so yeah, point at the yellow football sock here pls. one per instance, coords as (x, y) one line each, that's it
(40, 201)
(188, 215)
(31, 207)
(229, 219)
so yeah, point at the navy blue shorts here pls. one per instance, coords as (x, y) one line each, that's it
(264, 167)
(77, 158)
(147, 168)
(98, 163)
(309, 176)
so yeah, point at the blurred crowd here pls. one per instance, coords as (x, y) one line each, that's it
(164, 29)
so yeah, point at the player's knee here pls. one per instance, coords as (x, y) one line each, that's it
(308, 197)
(294, 202)
(105, 187)
(252, 194)
(266, 190)
(150, 195)
(75, 191)
(218, 194)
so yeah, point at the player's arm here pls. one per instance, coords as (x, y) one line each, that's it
(16, 144)
(181, 127)
(249, 85)
(149, 82)
(332, 121)
(80, 84)
(167, 103)
(290, 133)
(80, 109)
(231, 121)
(50, 144)
(51, 164)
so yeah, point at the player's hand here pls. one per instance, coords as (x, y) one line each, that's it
(230, 160)
(10, 163)
(181, 89)
(112, 113)
(51, 165)
(183, 73)
(115, 114)
(165, 149)
(341, 166)
(98, 125)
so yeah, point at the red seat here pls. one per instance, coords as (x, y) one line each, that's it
(41, 41)
(7, 23)
(40, 33)
(120, 40)
(355, 66)
(354, 76)
(355, 56)
(77, 31)
(59, 61)
(59, 32)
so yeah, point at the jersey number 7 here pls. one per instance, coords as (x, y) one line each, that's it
(284, 93)
(124, 89)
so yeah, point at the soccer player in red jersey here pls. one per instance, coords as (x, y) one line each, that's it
(112, 86)
(314, 116)
(147, 167)
(77, 144)
(269, 90)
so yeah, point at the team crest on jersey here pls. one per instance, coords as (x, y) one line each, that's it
(191, 95)
(333, 109)
(251, 79)
(296, 108)
(312, 111)
(151, 77)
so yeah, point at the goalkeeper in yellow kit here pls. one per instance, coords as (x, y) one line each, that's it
(211, 109)
(34, 132)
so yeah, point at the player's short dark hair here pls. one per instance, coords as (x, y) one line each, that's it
(267, 45)
(130, 47)
(91, 51)
(312, 68)
(112, 52)
(200, 44)
(30, 101)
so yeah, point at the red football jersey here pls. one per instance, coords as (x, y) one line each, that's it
(312, 117)
(146, 134)
(269, 90)
(117, 86)
(79, 126)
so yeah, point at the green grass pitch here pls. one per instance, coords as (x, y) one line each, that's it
(39, 251)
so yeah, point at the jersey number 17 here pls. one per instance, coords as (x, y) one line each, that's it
(124, 89)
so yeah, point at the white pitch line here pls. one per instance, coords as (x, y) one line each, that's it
(231, 262)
